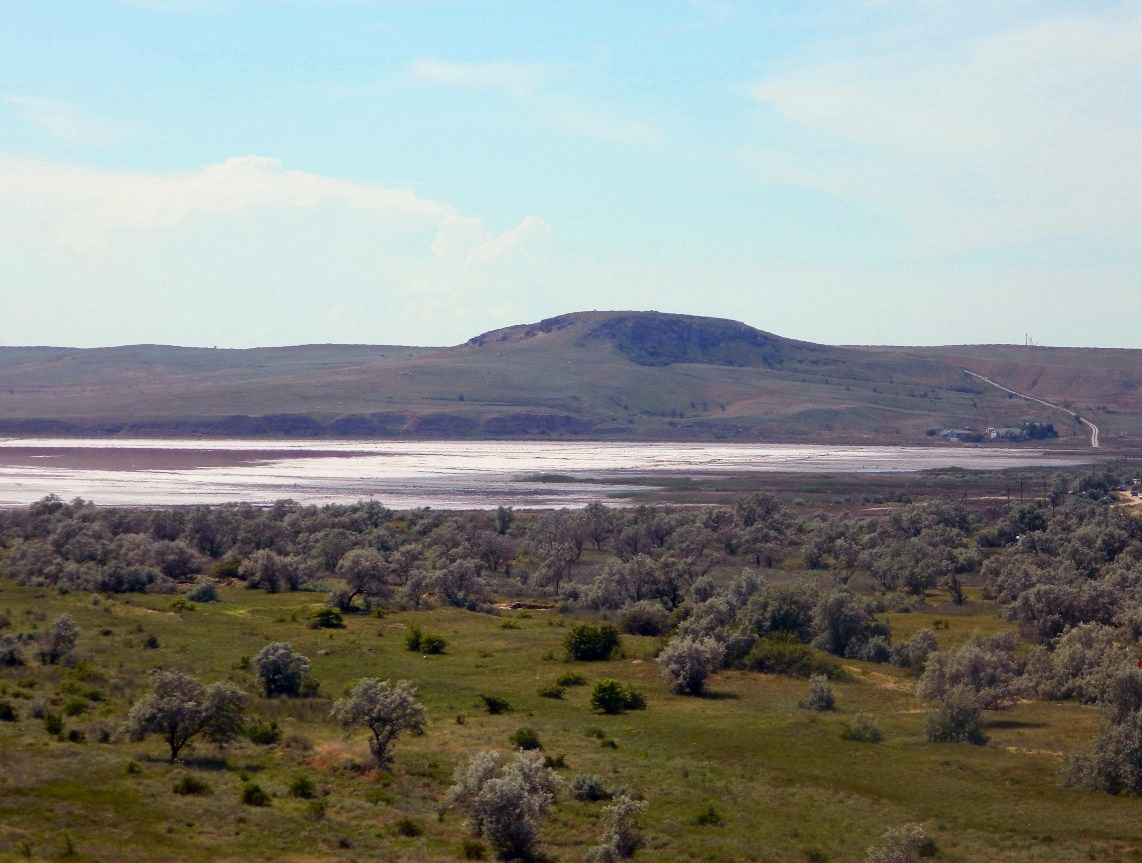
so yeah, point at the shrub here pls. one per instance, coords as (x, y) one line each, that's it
(473, 849)
(8, 712)
(191, 785)
(588, 642)
(326, 618)
(59, 641)
(784, 654)
(984, 667)
(709, 817)
(905, 844)
(687, 662)
(571, 679)
(408, 828)
(1114, 762)
(525, 738)
(281, 669)
(644, 618)
(53, 724)
(385, 710)
(612, 696)
(302, 787)
(254, 795)
(820, 694)
(11, 654)
(425, 642)
(552, 691)
(262, 732)
(955, 720)
(591, 788)
(204, 591)
(496, 705)
(555, 762)
(504, 803)
(621, 838)
(863, 728)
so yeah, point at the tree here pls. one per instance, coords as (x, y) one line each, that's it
(281, 670)
(621, 838)
(504, 803)
(60, 640)
(687, 662)
(365, 572)
(984, 667)
(180, 707)
(905, 844)
(587, 642)
(385, 710)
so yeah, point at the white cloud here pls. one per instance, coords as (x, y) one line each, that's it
(1027, 132)
(66, 121)
(531, 85)
(281, 250)
(518, 80)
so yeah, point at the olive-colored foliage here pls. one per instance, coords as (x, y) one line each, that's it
(592, 642)
(180, 708)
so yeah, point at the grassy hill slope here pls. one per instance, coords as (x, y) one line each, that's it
(637, 375)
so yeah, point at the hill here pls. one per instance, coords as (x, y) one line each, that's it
(631, 375)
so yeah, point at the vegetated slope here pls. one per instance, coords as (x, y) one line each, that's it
(637, 375)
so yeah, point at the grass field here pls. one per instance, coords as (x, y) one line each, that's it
(781, 780)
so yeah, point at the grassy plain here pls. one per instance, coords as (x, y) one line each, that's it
(783, 783)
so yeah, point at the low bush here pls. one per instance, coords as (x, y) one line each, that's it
(955, 720)
(302, 787)
(591, 788)
(784, 654)
(408, 828)
(571, 679)
(612, 696)
(525, 738)
(8, 712)
(863, 728)
(496, 705)
(552, 691)
(262, 732)
(592, 642)
(820, 694)
(709, 817)
(326, 618)
(254, 795)
(191, 785)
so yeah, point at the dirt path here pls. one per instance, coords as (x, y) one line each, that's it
(1093, 428)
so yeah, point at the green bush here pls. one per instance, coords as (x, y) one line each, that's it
(612, 696)
(709, 817)
(408, 828)
(254, 795)
(424, 642)
(955, 720)
(552, 691)
(571, 679)
(784, 654)
(302, 787)
(8, 712)
(496, 705)
(53, 724)
(262, 732)
(592, 642)
(326, 618)
(525, 738)
(473, 849)
(191, 785)
(863, 728)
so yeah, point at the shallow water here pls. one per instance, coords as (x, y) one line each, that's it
(441, 474)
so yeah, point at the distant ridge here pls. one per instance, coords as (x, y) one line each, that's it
(599, 374)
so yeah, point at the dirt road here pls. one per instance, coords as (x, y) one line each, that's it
(1093, 428)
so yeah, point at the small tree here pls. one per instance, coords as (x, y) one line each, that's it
(281, 670)
(59, 641)
(385, 710)
(621, 838)
(905, 844)
(985, 667)
(955, 719)
(180, 707)
(588, 642)
(504, 804)
(687, 662)
(611, 696)
(820, 694)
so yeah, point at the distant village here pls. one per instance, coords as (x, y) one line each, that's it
(1026, 431)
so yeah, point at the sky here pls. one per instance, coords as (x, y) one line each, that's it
(237, 173)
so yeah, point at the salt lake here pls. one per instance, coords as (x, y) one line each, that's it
(440, 474)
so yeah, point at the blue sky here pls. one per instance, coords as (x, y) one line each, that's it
(253, 172)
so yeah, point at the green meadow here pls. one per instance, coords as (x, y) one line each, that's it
(775, 782)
